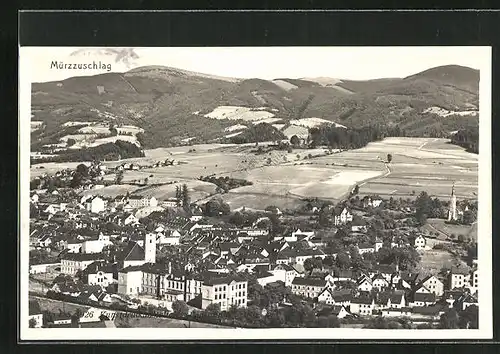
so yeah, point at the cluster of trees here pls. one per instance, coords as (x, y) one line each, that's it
(41, 257)
(453, 319)
(342, 138)
(380, 322)
(258, 133)
(226, 183)
(110, 151)
(467, 138)
(182, 193)
(426, 207)
(216, 207)
(270, 298)
(40, 138)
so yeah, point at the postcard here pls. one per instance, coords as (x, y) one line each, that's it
(255, 193)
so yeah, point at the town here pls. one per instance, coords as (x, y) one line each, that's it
(356, 263)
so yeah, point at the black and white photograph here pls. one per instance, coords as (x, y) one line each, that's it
(194, 193)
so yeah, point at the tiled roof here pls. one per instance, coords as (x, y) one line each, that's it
(367, 300)
(79, 257)
(99, 266)
(428, 310)
(133, 252)
(424, 297)
(217, 280)
(309, 281)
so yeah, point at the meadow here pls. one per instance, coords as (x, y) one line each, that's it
(284, 178)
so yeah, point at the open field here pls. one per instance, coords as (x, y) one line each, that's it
(197, 190)
(279, 177)
(258, 201)
(111, 191)
(439, 225)
(52, 167)
(432, 261)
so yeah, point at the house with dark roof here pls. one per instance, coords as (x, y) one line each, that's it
(458, 277)
(379, 282)
(362, 305)
(100, 273)
(427, 313)
(422, 299)
(308, 287)
(364, 283)
(465, 301)
(338, 297)
(285, 273)
(130, 280)
(71, 263)
(341, 216)
(431, 283)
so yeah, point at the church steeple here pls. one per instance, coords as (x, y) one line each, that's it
(452, 211)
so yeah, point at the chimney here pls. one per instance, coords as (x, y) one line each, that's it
(169, 267)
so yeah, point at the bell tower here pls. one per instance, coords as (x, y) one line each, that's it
(452, 211)
(150, 248)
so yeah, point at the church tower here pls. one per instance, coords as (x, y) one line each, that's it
(150, 248)
(452, 211)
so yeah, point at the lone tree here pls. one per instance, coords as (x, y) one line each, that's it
(32, 323)
(180, 308)
(119, 177)
(389, 158)
(186, 200)
(294, 140)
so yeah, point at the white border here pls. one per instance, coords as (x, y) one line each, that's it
(484, 253)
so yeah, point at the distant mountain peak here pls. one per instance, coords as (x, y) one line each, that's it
(457, 75)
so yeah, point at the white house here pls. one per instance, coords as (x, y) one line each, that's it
(432, 283)
(94, 246)
(130, 281)
(458, 278)
(365, 284)
(379, 282)
(74, 246)
(285, 273)
(99, 273)
(420, 242)
(227, 291)
(363, 305)
(342, 217)
(94, 204)
(71, 263)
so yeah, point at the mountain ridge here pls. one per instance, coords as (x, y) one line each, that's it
(170, 104)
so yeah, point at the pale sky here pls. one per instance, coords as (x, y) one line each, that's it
(354, 63)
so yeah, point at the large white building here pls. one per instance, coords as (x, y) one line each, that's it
(94, 246)
(136, 201)
(71, 263)
(130, 280)
(227, 291)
